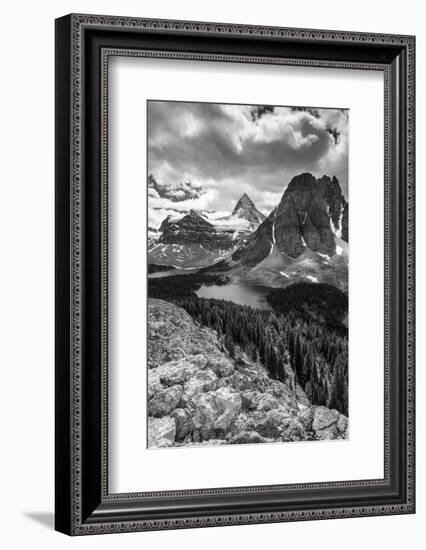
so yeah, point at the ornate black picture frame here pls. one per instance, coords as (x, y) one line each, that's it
(83, 45)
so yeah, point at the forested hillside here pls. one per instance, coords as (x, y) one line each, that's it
(317, 355)
(303, 332)
(198, 394)
(319, 302)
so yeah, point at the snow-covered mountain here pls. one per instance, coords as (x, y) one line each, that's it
(303, 239)
(198, 239)
(245, 209)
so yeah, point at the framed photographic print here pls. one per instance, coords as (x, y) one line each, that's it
(232, 346)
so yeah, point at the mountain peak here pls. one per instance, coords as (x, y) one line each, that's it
(245, 198)
(300, 223)
(194, 213)
(302, 182)
(246, 209)
(195, 219)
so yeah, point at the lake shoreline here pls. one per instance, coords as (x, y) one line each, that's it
(238, 293)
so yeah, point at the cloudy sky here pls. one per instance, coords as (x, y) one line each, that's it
(205, 156)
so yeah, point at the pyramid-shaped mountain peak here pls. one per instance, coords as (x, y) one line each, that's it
(245, 198)
(246, 209)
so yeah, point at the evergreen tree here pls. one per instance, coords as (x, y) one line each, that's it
(230, 346)
(317, 354)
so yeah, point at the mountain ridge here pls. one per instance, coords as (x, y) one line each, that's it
(197, 240)
(304, 238)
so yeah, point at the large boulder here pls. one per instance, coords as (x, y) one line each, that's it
(184, 423)
(249, 437)
(267, 402)
(329, 423)
(199, 395)
(215, 412)
(228, 403)
(202, 381)
(161, 432)
(221, 365)
(174, 372)
(164, 401)
(154, 384)
(267, 424)
(306, 416)
(293, 430)
(172, 335)
(205, 414)
(250, 399)
(270, 424)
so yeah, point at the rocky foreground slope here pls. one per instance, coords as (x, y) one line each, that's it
(198, 394)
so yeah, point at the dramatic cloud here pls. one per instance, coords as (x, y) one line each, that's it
(179, 192)
(205, 156)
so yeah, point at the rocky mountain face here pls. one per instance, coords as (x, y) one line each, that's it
(332, 193)
(194, 229)
(246, 210)
(345, 223)
(195, 240)
(191, 241)
(198, 394)
(303, 219)
(303, 238)
(258, 245)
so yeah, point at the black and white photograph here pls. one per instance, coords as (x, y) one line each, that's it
(247, 274)
(209, 277)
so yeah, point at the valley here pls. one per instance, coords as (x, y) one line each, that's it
(272, 289)
(304, 238)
